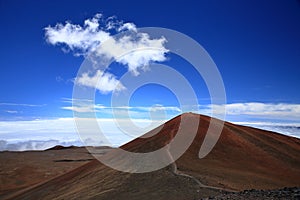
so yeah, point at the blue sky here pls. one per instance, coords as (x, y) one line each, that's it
(255, 45)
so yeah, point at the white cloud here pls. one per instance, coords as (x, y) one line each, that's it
(77, 37)
(111, 23)
(128, 26)
(103, 81)
(134, 50)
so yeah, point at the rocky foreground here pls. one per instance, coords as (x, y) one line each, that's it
(282, 194)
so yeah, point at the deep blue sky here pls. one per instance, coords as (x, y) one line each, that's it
(255, 44)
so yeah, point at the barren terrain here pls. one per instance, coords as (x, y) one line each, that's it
(244, 158)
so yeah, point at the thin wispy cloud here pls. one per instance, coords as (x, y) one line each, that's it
(22, 104)
(12, 111)
(70, 100)
(120, 111)
(134, 50)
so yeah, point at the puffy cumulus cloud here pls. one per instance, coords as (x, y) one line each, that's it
(103, 81)
(128, 26)
(136, 51)
(77, 38)
(132, 49)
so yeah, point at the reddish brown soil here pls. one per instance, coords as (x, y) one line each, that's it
(20, 170)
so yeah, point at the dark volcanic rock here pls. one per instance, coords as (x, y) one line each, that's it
(279, 194)
(60, 147)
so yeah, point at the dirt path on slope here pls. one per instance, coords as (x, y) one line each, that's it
(201, 185)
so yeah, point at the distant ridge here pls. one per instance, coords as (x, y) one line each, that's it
(60, 147)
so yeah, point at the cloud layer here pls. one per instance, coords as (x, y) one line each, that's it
(38, 135)
(35, 145)
(291, 129)
(132, 49)
(280, 111)
(43, 134)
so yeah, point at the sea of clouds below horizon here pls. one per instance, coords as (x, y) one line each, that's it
(43, 144)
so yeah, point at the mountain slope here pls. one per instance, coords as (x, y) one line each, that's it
(243, 158)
